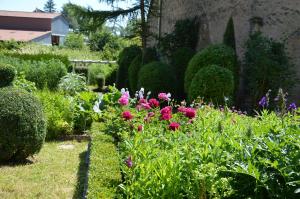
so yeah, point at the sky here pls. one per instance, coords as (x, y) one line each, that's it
(30, 5)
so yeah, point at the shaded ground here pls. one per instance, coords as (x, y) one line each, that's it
(56, 172)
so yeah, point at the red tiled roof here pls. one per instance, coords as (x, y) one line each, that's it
(20, 35)
(29, 14)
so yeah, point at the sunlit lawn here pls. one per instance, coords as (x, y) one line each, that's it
(54, 173)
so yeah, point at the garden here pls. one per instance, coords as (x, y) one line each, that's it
(167, 121)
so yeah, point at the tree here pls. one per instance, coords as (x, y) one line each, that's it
(138, 10)
(49, 6)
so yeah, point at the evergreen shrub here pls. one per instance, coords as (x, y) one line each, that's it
(7, 74)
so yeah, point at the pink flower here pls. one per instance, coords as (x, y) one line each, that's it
(182, 109)
(164, 96)
(142, 101)
(151, 114)
(154, 103)
(166, 116)
(166, 110)
(146, 106)
(174, 126)
(190, 113)
(124, 100)
(140, 128)
(127, 115)
(139, 107)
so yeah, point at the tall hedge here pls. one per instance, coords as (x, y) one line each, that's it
(150, 55)
(124, 61)
(179, 61)
(219, 54)
(213, 83)
(157, 77)
(22, 122)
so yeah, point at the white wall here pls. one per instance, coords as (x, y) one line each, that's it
(60, 27)
(45, 40)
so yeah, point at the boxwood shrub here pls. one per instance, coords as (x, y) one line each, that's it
(23, 126)
(125, 59)
(7, 74)
(219, 54)
(213, 83)
(149, 56)
(157, 77)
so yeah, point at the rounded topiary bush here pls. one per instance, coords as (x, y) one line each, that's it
(7, 74)
(219, 54)
(22, 122)
(213, 83)
(157, 77)
(150, 55)
(125, 59)
(179, 60)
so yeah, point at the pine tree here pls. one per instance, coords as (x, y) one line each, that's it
(49, 6)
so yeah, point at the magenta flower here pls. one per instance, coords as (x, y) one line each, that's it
(124, 100)
(190, 113)
(164, 96)
(140, 128)
(151, 114)
(146, 106)
(142, 101)
(166, 116)
(154, 103)
(166, 110)
(127, 115)
(129, 162)
(174, 126)
(181, 109)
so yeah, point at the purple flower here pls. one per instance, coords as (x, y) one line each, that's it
(263, 102)
(292, 106)
(129, 162)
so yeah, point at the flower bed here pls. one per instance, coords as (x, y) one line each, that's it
(170, 151)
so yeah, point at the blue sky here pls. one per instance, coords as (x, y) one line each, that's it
(30, 5)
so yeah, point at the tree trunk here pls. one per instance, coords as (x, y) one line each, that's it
(143, 25)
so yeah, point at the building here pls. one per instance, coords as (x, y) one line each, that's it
(278, 19)
(44, 28)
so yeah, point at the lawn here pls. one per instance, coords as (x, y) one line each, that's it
(58, 171)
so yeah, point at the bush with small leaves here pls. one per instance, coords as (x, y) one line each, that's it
(125, 58)
(213, 83)
(219, 54)
(7, 74)
(23, 126)
(157, 77)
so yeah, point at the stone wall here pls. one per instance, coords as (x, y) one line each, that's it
(281, 21)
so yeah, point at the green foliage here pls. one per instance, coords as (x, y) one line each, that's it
(185, 35)
(150, 55)
(157, 77)
(267, 66)
(10, 45)
(72, 83)
(23, 126)
(22, 83)
(7, 74)
(213, 83)
(84, 112)
(219, 54)
(74, 41)
(124, 61)
(218, 154)
(179, 60)
(50, 6)
(101, 69)
(104, 171)
(100, 81)
(42, 57)
(59, 112)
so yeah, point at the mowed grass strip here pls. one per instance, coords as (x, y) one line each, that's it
(104, 170)
(56, 172)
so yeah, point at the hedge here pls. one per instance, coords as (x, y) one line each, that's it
(104, 171)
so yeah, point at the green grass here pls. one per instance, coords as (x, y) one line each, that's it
(104, 171)
(54, 173)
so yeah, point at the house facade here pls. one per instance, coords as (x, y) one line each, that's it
(44, 28)
(277, 19)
